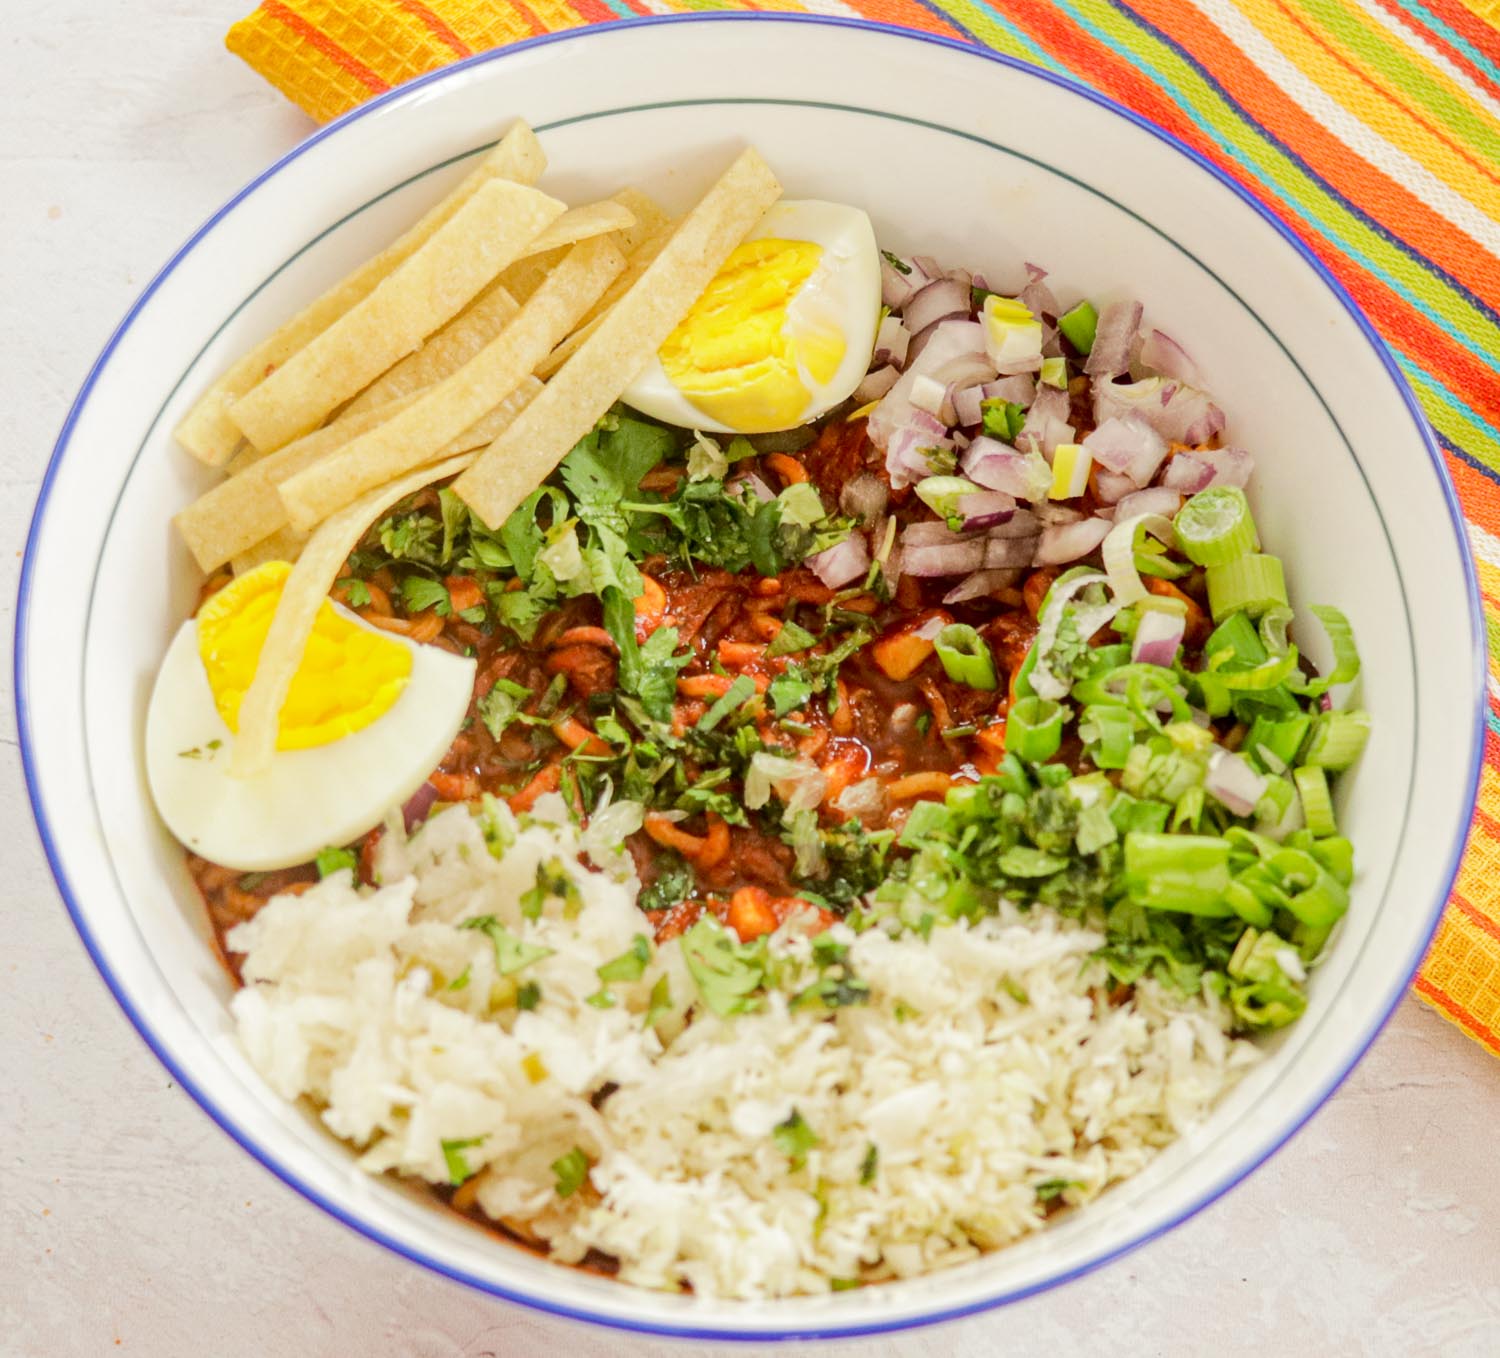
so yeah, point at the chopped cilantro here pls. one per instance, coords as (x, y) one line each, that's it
(1051, 1189)
(630, 965)
(511, 953)
(674, 884)
(660, 1001)
(789, 690)
(789, 639)
(734, 697)
(529, 996)
(501, 705)
(795, 1138)
(454, 1158)
(570, 1171)
(870, 1165)
(726, 971)
(418, 594)
(355, 593)
(332, 860)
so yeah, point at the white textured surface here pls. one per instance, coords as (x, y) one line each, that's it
(129, 1223)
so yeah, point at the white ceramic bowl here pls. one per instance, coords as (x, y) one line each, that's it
(954, 153)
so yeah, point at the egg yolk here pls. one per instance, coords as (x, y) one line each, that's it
(736, 354)
(348, 677)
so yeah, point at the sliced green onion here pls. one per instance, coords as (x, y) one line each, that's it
(1247, 905)
(1119, 552)
(1271, 671)
(1079, 325)
(1250, 584)
(1108, 732)
(1317, 805)
(1054, 372)
(941, 494)
(1071, 464)
(1129, 814)
(1011, 332)
(1033, 729)
(1313, 894)
(1275, 744)
(1345, 652)
(1337, 739)
(1161, 774)
(1189, 873)
(1188, 813)
(1264, 995)
(1216, 526)
(1277, 802)
(966, 657)
(1336, 854)
(1273, 625)
(1236, 635)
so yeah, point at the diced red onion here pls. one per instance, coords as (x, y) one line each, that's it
(1153, 500)
(929, 630)
(994, 465)
(758, 488)
(936, 302)
(966, 370)
(986, 509)
(864, 497)
(1161, 354)
(962, 277)
(1170, 408)
(891, 342)
(931, 533)
(967, 407)
(842, 563)
(1049, 512)
(1234, 783)
(928, 267)
(982, 584)
(1046, 424)
(1019, 388)
(959, 558)
(418, 805)
(1199, 468)
(895, 286)
(1051, 342)
(876, 384)
(928, 394)
(1036, 295)
(960, 439)
(1206, 424)
(1111, 487)
(1127, 445)
(1065, 542)
(1022, 524)
(1002, 553)
(1114, 337)
(907, 456)
(1157, 637)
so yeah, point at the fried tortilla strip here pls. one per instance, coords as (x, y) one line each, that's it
(444, 353)
(650, 218)
(238, 513)
(488, 428)
(322, 558)
(591, 380)
(645, 251)
(285, 544)
(445, 411)
(423, 293)
(583, 223)
(209, 434)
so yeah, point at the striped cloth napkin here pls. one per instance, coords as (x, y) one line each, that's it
(1371, 127)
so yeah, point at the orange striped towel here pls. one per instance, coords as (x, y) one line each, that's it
(1372, 127)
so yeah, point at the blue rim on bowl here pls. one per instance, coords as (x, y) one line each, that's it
(1381, 1013)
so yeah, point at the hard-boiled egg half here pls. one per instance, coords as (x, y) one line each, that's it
(369, 715)
(782, 334)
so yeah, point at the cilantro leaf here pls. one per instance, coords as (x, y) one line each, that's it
(354, 592)
(795, 1138)
(790, 689)
(418, 594)
(673, 885)
(605, 467)
(529, 996)
(647, 671)
(511, 953)
(570, 1170)
(870, 1165)
(726, 971)
(501, 705)
(733, 698)
(788, 640)
(630, 965)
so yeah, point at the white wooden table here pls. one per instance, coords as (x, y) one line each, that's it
(129, 1223)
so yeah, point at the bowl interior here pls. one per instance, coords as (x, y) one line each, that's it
(987, 165)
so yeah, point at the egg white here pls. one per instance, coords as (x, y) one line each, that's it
(308, 799)
(844, 287)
